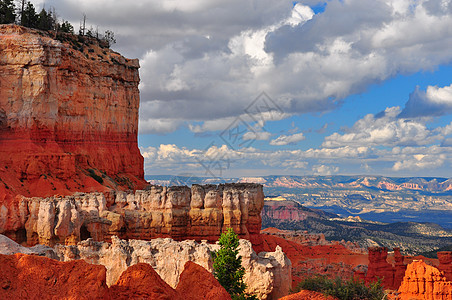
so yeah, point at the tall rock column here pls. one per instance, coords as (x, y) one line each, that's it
(379, 267)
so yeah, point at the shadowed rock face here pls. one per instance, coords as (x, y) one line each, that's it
(68, 117)
(380, 268)
(445, 263)
(199, 213)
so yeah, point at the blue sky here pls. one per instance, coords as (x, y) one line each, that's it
(350, 87)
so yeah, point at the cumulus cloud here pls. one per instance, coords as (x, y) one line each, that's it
(207, 60)
(325, 170)
(288, 139)
(386, 129)
(420, 162)
(435, 101)
(220, 161)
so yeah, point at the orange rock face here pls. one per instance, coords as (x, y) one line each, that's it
(68, 117)
(424, 282)
(34, 277)
(195, 283)
(140, 281)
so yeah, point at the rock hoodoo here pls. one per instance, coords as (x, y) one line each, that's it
(424, 282)
(380, 268)
(68, 116)
(198, 213)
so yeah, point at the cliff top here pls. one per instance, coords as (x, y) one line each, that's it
(92, 48)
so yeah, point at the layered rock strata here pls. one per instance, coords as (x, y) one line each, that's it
(199, 213)
(268, 274)
(68, 116)
(424, 282)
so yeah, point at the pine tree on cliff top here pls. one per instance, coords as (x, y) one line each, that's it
(7, 14)
(227, 266)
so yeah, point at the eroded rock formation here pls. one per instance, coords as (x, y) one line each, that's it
(424, 282)
(68, 116)
(199, 213)
(379, 268)
(268, 275)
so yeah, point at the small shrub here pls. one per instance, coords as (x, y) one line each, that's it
(344, 290)
(96, 177)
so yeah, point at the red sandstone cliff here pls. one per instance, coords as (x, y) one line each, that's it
(68, 116)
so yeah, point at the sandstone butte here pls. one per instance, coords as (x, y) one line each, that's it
(35, 277)
(68, 116)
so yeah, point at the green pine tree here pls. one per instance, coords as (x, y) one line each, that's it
(29, 17)
(7, 14)
(45, 20)
(66, 27)
(227, 266)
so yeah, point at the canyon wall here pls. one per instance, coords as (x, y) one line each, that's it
(68, 116)
(199, 213)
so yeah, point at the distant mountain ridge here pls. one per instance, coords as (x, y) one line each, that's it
(425, 184)
(411, 237)
(378, 198)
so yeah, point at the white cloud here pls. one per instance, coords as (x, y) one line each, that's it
(420, 162)
(203, 61)
(436, 101)
(223, 161)
(325, 170)
(386, 129)
(288, 139)
(258, 135)
(183, 68)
